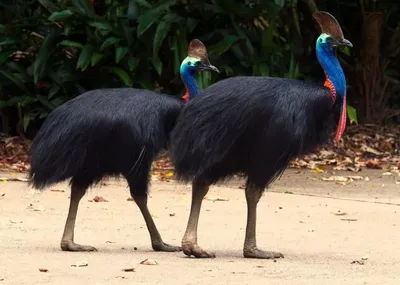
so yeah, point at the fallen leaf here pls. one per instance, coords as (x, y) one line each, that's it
(338, 213)
(368, 149)
(98, 199)
(2, 194)
(214, 199)
(19, 179)
(318, 170)
(360, 262)
(129, 270)
(172, 214)
(364, 258)
(387, 174)
(355, 177)
(149, 262)
(349, 220)
(57, 190)
(130, 199)
(43, 270)
(39, 208)
(373, 164)
(81, 263)
(335, 178)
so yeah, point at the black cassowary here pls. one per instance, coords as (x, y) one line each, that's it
(110, 132)
(255, 126)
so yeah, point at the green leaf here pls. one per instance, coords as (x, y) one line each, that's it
(27, 118)
(71, 44)
(352, 114)
(223, 45)
(43, 56)
(85, 57)
(49, 5)
(4, 55)
(144, 3)
(145, 22)
(161, 32)
(96, 57)
(132, 10)
(84, 7)
(132, 63)
(53, 91)
(280, 3)
(45, 102)
(120, 52)
(60, 16)
(15, 79)
(264, 69)
(108, 42)
(191, 24)
(157, 65)
(7, 41)
(122, 74)
(101, 25)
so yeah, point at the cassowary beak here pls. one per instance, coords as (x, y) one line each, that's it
(344, 42)
(209, 67)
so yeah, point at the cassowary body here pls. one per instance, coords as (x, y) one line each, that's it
(255, 126)
(110, 132)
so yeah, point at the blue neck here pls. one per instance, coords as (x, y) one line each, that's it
(190, 82)
(332, 68)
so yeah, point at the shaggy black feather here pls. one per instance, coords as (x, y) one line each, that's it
(103, 132)
(250, 125)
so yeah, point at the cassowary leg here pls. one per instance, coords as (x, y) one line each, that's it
(156, 240)
(189, 241)
(250, 250)
(67, 240)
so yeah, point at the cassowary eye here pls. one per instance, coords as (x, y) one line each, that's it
(189, 63)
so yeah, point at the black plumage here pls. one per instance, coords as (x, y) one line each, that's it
(255, 126)
(104, 132)
(111, 132)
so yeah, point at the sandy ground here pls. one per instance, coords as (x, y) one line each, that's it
(296, 217)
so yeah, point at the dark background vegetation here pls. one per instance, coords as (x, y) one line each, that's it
(54, 50)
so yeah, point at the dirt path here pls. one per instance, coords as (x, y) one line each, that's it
(318, 244)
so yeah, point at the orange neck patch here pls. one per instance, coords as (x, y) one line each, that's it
(185, 97)
(328, 84)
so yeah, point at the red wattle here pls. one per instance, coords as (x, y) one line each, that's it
(342, 121)
(185, 97)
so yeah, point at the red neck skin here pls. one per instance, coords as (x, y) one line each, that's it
(185, 97)
(343, 116)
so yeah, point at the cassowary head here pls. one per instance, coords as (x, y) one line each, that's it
(331, 32)
(197, 59)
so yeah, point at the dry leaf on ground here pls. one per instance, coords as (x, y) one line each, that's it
(149, 262)
(214, 199)
(81, 263)
(98, 199)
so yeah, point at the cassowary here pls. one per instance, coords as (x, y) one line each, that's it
(255, 126)
(110, 132)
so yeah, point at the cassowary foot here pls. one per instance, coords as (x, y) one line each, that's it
(196, 251)
(261, 254)
(71, 246)
(166, 247)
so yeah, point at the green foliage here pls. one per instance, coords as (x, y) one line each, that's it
(54, 50)
(51, 51)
